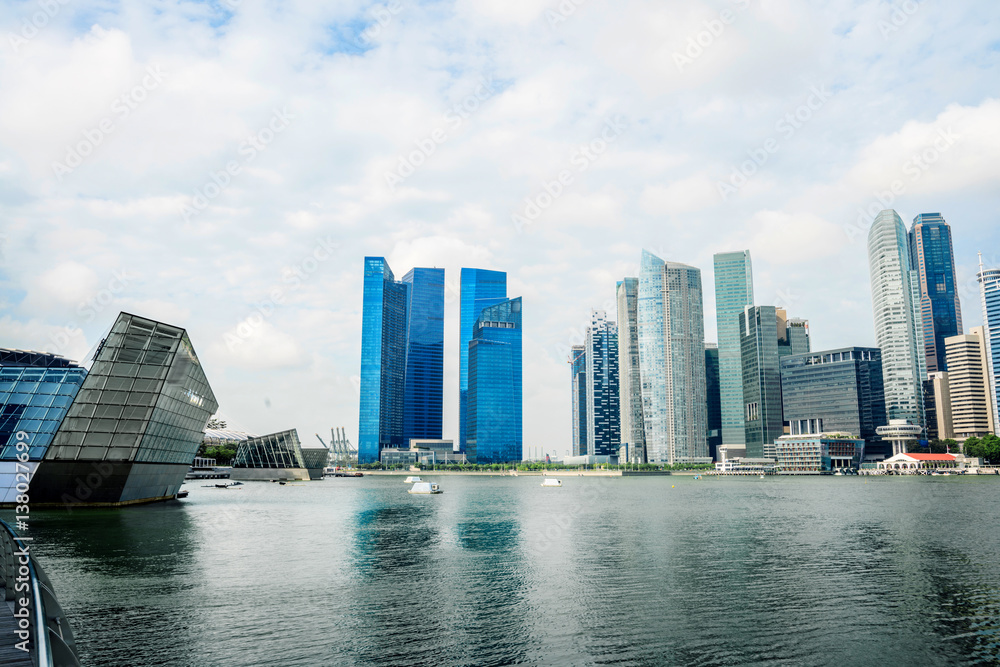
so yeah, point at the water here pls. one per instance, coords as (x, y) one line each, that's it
(496, 571)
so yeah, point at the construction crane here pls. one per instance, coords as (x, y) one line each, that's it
(342, 452)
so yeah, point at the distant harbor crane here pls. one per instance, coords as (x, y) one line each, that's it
(342, 452)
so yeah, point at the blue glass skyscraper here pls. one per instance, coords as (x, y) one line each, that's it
(578, 389)
(480, 289)
(932, 257)
(423, 395)
(603, 417)
(493, 422)
(733, 293)
(989, 291)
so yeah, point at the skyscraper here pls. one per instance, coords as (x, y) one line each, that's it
(898, 329)
(578, 389)
(761, 379)
(603, 422)
(480, 289)
(989, 293)
(672, 360)
(712, 395)
(793, 334)
(932, 257)
(383, 360)
(424, 393)
(733, 293)
(630, 383)
(494, 433)
(968, 387)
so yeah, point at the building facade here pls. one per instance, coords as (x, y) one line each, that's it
(276, 456)
(733, 293)
(633, 435)
(578, 392)
(968, 382)
(494, 421)
(423, 396)
(989, 293)
(818, 453)
(671, 332)
(933, 259)
(836, 391)
(714, 401)
(763, 422)
(793, 334)
(898, 327)
(603, 406)
(937, 406)
(480, 288)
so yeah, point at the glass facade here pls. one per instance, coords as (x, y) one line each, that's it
(275, 450)
(603, 423)
(933, 259)
(630, 381)
(480, 288)
(761, 380)
(383, 360)
(424, 394)
(733, 293)
(812, 453)
(898, 327)
(578, 384)
(494, 430)
(989, 292)
(714, 408)
(836, 391)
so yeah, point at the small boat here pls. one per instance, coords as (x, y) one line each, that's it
(222, 486)
(281, 483)
(551, 482)
(182, 494)
(424, 487)
(762, 477)
(838, 473)
(411, 480)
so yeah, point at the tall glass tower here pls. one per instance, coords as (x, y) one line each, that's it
(733, 293)
(383, 360)
(480, 289)
(603, 421)
(424, 391)
(898, 328)
(494, 433)
(932, 257)
(759, 340)
(630, 383)
(578, 382)
(712, 396)
(989, 292)
(672, 360)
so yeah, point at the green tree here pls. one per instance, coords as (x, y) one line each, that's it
(990, 447)
(972, 447)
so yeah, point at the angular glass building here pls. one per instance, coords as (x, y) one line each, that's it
(898, 327)
(136, 423)
(712, 395)
(493, 425)
(989, 293)
(763, 422)
(603, 423)
(578, 389)
(733, 293)
(633, 434)
(671, 332)
(277, 456)
(36, 391)
(480, 288)
(424, 393)
(836, 391)
(933, 259)
(383, 360)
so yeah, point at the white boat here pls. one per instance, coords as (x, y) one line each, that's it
(411, 480)
(424, 487)
(551, 482)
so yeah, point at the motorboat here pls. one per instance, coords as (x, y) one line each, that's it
(411, 480)
(181, 494)
(551, 482)
(424, 487)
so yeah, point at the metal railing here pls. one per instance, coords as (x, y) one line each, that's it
(49, 637)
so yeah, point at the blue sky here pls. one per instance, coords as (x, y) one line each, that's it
(227, 166)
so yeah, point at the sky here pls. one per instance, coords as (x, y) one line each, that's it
(227, 166)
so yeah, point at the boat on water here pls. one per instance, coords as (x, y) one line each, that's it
(424, 487)
(181, 494)
(411, 480)
(551, 482)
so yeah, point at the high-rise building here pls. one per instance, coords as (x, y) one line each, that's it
(898, 328)
(480, 288)
(793, 334)
(424, 391)
(932, 257)
(671, 332)
(383, 360)
(937, 406)
(630, 382)
(761, 380)
(733, 293)
(836, 391)
(714, 408)
(968, 385)
(494, 433)
(603, 422)
(578, 389)
(989, 293)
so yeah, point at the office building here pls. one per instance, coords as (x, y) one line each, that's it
(968, 385)
(480, 288)
(793, 334)
(578, 390)
(898, 327)
(633, 435)
(937, 407)
(836, 391)
(423, 396)
(493, 426)
(733, 293)
(714, 407)
(818, 453)
(763, 423)
(671, 332)
(933, 259)
(989, 293)
(603, 422)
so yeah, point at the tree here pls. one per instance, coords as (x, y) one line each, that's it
(972, 447)
(990, 447)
